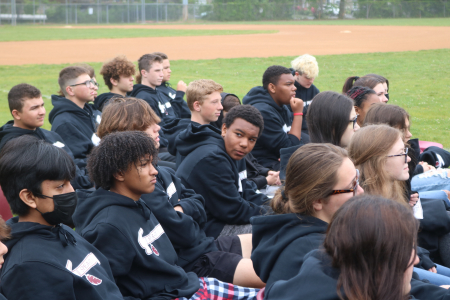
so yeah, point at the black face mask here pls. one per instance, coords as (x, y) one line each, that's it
(65, 205)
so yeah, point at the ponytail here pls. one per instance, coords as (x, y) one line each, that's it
(280, 202)
(349, 84)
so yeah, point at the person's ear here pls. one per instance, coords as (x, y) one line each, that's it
(114, 82)
(318, 205)
(143, 73)
(16, 114)
(224, 129)
(296, 73)
(119, 176)
(357, 110)
(272, 88)
(69, 90)
(196, 105)
(28, 198)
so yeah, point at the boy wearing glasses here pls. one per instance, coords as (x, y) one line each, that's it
(71, 117)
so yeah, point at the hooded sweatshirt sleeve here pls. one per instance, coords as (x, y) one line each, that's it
(77, 142)
(180, 106)
(42, 275)
(214, 179)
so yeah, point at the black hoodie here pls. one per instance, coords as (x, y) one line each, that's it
(171, 130)
(102, 99)
(142, 258)
(76, 126)
(157, 101)
(185, 230)
(277, 122)
(176, 99)
(46, 262)
(9, 132)
(221, 180)
(281, 241)
(316, 280)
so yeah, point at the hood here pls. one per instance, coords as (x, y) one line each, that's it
(272, 234)
(90, 203)
(172, 129)
(8, 132)
(100, 100)
(21, 229)
(140, 87)
(260, 95)
(197, 135)
(62, 105)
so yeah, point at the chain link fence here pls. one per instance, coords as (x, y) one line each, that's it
(141, 12)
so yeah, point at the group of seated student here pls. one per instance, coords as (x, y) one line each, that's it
(164, 199)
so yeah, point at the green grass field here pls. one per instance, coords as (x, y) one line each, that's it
(419, 81)
(40, 33)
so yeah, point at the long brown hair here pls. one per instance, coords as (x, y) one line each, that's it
(311, 174)
(126, 114)
(368, 149)
(389, 114)
(370, 240)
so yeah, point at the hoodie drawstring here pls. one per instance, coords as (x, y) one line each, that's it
(65, 236)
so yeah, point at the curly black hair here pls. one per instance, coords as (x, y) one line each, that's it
(272, 75)
(247, 113)
(117, 152)
(359, 94)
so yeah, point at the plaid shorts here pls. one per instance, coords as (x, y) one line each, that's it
(213, 289)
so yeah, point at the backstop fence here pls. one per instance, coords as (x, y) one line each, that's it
(130, 11)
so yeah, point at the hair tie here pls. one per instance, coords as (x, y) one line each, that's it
(283, 196)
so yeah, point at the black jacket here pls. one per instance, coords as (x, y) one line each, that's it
(316, 280)
(171, 130)
(281, 241)
(176, 99)
(9, 132)
(157, 101)
(76, 126)
(102, 99)
(256, 172)
(46, 262)
(185, 230)
(222, 181)
(142, 258)
(277, 121)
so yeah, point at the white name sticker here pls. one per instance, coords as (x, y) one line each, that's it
(171, 190)
(58, 144)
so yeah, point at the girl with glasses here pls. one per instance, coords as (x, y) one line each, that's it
(319, 179)
(369, 253)
(379, 153)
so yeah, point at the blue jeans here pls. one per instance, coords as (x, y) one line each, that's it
(434, 180)
(442, 277)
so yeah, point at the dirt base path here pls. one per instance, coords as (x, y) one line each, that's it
(290, 40)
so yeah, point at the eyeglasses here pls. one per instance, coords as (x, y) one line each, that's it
(352, 190)
(88, 83)
(354, 121)
(405, 154)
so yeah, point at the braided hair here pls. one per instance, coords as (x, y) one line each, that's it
(118, 152)
(359, 94)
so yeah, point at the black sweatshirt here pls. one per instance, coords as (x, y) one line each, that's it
(9, 132)
(76, 126)
(171, 131)
(46, 262)
(281, 241)
(277, 122)
(222, 181)
(157, 101)
(176, 99)
(185, 230)
(102, 99)
(142, 258)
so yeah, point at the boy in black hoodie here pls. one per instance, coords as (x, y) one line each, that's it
(213, 167)
(27, 108)
(118, 76)
(47, 260)
(172, 94)
(277, 91)
(120, 224)
(71, 117)
(181, 211)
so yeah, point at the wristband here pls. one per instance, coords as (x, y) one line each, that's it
(298, 114)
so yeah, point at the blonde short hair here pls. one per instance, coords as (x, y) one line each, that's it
(306, 64)
(198, 90)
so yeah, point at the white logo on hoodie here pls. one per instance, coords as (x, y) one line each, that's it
(85, 266)
(146, 242)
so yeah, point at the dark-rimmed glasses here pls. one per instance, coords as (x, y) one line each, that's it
(354, 121)
(88, 83)
(405, 154)
(352, 190)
